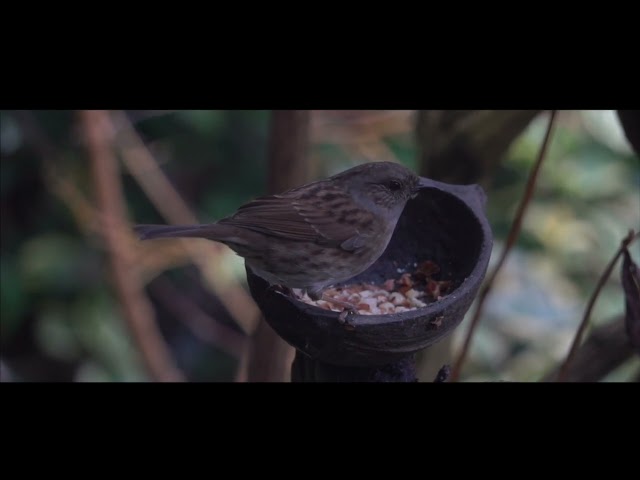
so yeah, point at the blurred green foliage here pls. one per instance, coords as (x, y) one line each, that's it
(60, 319)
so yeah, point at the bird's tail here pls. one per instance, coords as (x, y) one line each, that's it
(147, 232)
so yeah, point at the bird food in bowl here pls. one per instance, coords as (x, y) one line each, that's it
(409, 291)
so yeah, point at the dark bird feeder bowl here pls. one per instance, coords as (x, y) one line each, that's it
(445, 224)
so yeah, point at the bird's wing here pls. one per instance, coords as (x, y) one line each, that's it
(325, 215)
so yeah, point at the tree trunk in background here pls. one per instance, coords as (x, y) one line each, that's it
(630, 121)
(270, 357)
(606, 348)
(462, 147)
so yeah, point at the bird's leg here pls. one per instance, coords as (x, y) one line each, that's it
(347, 306)
(282, 289)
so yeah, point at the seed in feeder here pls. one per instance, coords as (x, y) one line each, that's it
(405, 279)
(437, 289)
(372, 302)
(389, 285)
(387, 307)
(427, 269)
(397, 298)
(410, 291)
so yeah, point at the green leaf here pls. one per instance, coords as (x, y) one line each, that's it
(57, 263)
(13, 299)
(55, 335)
(102, 332)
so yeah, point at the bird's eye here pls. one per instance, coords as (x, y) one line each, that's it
(394, 185)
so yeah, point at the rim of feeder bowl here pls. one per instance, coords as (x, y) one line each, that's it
(445, 223)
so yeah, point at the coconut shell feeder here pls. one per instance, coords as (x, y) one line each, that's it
(445, 224)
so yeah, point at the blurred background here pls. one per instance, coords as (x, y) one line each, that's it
(83, 300)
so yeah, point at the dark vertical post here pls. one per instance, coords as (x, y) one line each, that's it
(288, 149)
(306, 369)
(288, 167)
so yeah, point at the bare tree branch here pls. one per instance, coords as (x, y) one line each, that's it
(138, 311)
(564, 369)
(606, 349)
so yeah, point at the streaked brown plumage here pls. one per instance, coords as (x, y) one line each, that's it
(315, 235)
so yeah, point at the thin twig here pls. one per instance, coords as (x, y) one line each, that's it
(564, 369)
(92, 222)
(511, 240)
(140, 162)
(138, 311)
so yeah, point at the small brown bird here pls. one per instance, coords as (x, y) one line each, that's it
(316, 235)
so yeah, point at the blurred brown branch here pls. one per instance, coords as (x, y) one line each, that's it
(271, 357)
(138, 312)
(563, 371)
(91, 221)
(606, 349)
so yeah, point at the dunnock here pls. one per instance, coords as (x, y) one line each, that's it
(315, 235)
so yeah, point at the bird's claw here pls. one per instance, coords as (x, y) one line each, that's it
(284, 290)
(343, 317)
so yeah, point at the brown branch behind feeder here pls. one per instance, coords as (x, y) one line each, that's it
(270, 358)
